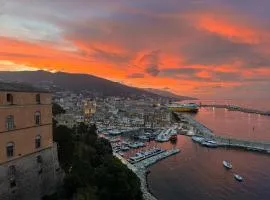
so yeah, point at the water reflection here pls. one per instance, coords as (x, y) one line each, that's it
(235, 124)
(197, 173)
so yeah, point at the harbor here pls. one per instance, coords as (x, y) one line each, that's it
(141, 149)
(221, 141)
(140, 169)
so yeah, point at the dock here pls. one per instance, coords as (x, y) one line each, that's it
(237, 108)
(223, 141)
(140, 169)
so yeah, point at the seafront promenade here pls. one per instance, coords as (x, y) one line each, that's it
(140, 169)
(203, 131)
(237, 108)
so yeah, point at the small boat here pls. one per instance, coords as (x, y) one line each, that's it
(162, 138)
(238, 177)
(190, 132)
(227, 164)
(197, 139)
(124, 148)
(210, 143)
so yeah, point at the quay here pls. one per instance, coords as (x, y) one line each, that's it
(223, 141)
(140, 169)
(237, 108)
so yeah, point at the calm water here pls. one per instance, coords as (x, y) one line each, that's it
(197, 174)
(235, 124)
(263, 104)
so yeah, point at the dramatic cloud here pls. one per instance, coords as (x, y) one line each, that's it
(151, 63)
(189, 46)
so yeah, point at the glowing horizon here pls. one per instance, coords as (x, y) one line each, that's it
(205, 49)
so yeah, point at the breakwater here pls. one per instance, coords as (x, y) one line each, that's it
(237, 108)
(208, 134)
(140, 169)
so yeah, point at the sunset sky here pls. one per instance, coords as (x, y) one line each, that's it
(200, 48)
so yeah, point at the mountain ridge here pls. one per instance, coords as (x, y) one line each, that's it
(78, 82)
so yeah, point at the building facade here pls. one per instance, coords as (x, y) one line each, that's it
(29, 167)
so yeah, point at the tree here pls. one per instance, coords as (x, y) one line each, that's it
(63, 136)
(57, 109)
(92, 173)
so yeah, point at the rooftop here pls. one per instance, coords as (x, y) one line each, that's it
(20, 87)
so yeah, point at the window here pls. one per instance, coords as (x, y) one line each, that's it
(10, 98)
(11, 171)
(10, 149)
(10, 122)
(38, 98)
(38, 141)
(37, 118)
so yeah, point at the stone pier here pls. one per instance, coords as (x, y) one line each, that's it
(202, 130)
(140, 169)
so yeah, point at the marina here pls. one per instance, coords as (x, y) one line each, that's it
(142, 150)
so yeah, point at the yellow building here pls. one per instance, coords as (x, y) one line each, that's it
(25, 121)
(29, 167)
(89, 108)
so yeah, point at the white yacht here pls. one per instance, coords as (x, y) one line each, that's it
(198, 139)
(227, 164)
(238, 177)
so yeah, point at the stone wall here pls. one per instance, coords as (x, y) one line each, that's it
(32, 176)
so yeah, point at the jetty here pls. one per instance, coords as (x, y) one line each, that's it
(140, 169)
(237, 108)
(223, 141)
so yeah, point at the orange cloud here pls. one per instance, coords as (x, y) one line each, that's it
(228, 29)
(43, 56)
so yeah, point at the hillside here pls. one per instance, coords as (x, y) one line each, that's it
(168, 94)
(76, 82)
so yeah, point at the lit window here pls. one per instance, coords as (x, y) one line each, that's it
(38, 98)
(10, 122)
(37, 118)
(38, 141)
(10, 149)
(10, 98)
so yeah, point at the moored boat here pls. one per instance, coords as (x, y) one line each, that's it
(190, 132)
(198, 139)
(187, 107)
(227, 164)
(210, 143)
(238, 177)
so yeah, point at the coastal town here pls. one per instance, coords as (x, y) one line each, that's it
(135, 127)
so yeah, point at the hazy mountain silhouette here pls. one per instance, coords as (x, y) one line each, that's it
(77, 82)
(168, 94)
